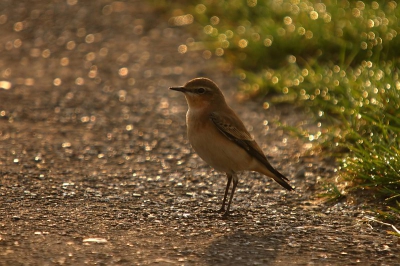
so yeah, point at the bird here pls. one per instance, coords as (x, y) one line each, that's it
(220, 138)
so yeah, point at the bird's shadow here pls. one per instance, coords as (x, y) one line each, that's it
(241, 248)
(238, 246)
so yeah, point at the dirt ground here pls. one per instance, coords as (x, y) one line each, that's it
(96, 168)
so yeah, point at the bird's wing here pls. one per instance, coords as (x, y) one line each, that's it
(232, 127)
(230, 124)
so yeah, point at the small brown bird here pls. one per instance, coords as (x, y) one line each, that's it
(219, 137)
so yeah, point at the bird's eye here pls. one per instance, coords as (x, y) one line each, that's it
(200, 90)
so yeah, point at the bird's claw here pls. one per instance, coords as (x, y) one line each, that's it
(226, 214)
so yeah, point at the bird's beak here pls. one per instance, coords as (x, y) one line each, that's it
(182, 89)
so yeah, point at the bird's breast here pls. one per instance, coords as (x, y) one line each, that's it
(213, 146)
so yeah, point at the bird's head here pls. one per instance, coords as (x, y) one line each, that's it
(201, 93)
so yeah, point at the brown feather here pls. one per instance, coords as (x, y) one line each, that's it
(233, 129)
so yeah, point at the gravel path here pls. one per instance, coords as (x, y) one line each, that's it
(96, 168)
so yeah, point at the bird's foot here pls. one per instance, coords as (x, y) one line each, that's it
(226, 214)
(222, 209)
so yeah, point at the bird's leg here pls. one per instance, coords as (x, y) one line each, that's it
(229, 176)
(235, 182)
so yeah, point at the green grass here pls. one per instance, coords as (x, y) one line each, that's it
(338, 59)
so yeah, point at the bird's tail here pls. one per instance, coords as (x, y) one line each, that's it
(278, 177)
